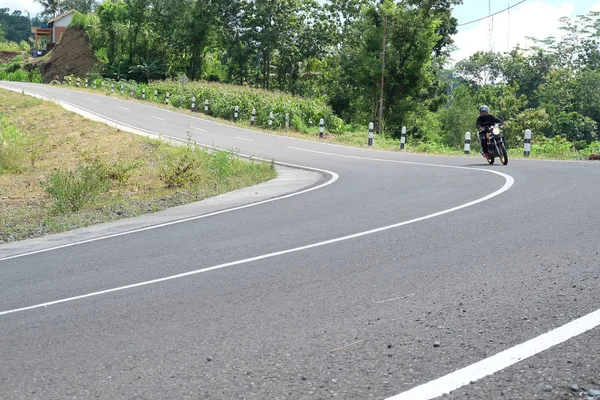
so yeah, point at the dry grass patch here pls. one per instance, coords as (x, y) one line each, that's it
(60, 171)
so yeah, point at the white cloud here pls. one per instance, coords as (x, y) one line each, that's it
(530, 19)
(23, 5)
(595, 7)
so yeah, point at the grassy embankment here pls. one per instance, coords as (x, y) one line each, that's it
(60, 171)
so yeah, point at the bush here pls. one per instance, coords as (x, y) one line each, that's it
(223, 99)
(12, 152)
(121, 171)
(72, 190)
(575, 127)
(24, 46)
(178, 167)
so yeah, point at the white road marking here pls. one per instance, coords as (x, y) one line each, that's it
(395, 298)
(124, 108)
(160, 119)
(241, 138)
(507, 185)
(198, 129)
(90, 99)
(447, 383)
(505, 176)
(502, 360)
(334, 177)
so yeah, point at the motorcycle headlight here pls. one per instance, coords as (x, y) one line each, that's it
(496, 131)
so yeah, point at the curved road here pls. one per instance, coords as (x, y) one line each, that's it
(403, 270)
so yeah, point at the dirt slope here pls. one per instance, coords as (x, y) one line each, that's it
(71, 56)
(6, 56)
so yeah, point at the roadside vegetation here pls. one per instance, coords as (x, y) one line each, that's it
(60, 171)
(323, 59)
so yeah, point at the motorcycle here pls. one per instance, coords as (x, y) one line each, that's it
(496, 145)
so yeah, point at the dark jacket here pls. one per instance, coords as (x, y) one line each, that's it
(486, 121)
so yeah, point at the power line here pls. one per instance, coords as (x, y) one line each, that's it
(491, 15)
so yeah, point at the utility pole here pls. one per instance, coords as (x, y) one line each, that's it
(380, 129)
(490, 26)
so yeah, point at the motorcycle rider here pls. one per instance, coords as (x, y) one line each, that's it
(483, 123)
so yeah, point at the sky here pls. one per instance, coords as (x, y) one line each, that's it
(22, 5)
(534, 18)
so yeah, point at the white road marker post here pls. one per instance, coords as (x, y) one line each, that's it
(236, 114)
(253, 117)
(287, 122)
(167, 98)
(321, 128)
(468, 143)
(143, 93)
(403, 138)
(371, 130)
(193, 103)
(271, 120)
(527, 147)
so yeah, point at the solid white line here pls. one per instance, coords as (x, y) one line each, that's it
(111, 122)
(241, 138)
(198, 129)
(334, 177)
(124, 108)
(152, 116)
(505, 176)
(507, 185)
(502, 360)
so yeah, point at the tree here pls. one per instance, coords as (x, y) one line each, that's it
(15, 26)
(482, 68)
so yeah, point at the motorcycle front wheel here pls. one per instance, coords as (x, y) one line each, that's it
(504, 155)
(490, 160)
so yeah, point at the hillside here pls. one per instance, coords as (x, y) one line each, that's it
(71, 56)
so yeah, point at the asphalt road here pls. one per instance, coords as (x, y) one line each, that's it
(291, 313)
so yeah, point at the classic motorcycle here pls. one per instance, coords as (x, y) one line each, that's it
(496, 145)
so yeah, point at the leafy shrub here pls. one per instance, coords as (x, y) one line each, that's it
(24, 46)
(12, 152)
(120, 171)
(73, 190)
(575, 127)
(178, 167)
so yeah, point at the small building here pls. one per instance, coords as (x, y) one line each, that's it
(52, 31)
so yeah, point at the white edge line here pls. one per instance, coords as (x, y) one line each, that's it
(241, 138)
(502, 360)
(509, 181)
(124, 108)
(447, 383)
(198, 129)
(152, 116)
(115, 124)
(507, 185)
